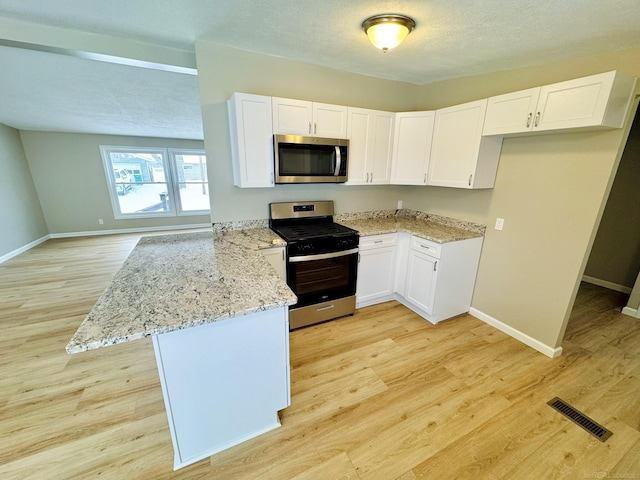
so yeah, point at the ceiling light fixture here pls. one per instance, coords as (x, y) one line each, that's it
(388, 30)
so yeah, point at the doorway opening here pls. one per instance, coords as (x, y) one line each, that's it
(613, 268)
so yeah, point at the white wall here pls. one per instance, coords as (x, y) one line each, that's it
(69, 177)
(21, 218)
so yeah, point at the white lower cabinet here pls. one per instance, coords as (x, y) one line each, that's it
(434, 280)
(376, 269)
(224, 382)
(422, 274)
(276, 257)
(440, 277)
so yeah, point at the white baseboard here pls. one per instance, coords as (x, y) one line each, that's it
(23, 249)
(128, 230)
(92, 233)
(632, 312)
(517, 334)
(604, 283)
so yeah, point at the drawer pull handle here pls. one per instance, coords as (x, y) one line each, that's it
(325, 308)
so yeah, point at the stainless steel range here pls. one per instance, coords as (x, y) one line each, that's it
(322, 260)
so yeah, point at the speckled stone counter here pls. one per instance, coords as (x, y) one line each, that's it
(173, 282)
(430, 227)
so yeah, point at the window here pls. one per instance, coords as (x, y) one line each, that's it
(152, 182)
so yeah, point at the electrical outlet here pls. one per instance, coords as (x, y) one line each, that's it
(499, 223)
(100, 221)
(399, 204)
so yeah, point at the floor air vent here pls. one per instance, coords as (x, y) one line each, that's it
(581, 419)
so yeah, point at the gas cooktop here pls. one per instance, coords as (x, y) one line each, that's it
(309, 231)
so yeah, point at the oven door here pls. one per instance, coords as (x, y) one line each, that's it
(322, 277)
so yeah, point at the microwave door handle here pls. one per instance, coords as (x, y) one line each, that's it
(336, 172)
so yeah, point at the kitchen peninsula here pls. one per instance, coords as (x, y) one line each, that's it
(218, 316)
(217, 312)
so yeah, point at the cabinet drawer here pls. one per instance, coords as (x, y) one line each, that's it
(426, 246)
(377, 241)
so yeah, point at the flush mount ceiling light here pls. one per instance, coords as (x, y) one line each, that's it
(388, 30)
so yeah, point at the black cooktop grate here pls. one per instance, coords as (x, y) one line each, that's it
(312, 230)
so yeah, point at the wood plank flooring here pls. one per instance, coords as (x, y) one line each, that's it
(380, 395)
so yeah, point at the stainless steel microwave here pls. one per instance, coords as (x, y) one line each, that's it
(310, 159)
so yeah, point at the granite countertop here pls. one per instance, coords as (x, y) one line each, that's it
(430, 227)
(171, 282)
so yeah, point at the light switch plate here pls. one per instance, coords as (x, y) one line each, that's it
(499, 223)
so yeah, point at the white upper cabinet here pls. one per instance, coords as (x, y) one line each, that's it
(460, 156)
(511, 113)
(251, 140)
(292, 117)
(370, 134)
(299, 117)
(596, 101)
(412, 148)
(329, 121)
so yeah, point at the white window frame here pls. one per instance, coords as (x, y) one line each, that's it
(171, 179)
(172, 152)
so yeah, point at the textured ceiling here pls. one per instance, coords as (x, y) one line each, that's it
(453, 38)
(44, 91)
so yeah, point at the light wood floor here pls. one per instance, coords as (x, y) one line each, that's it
(380, 395)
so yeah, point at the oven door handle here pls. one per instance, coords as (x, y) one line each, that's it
(322, 256)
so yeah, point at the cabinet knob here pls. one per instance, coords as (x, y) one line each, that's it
(315, 128)
(535, 124)
(309, 127)
(470, 178)
(424, 180)
(529, 119)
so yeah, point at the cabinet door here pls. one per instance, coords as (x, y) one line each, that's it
(381, 152)
(276, 257)
(292, 117)
(575, 103)
(370, 134)
(375, 274)
(456, 144)
(422, 274)
(251, 140)
(329, 121)
(359, 134)
(511, 113)
(411, 148)
(376, 269)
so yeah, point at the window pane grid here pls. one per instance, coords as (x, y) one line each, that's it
(156, 182)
